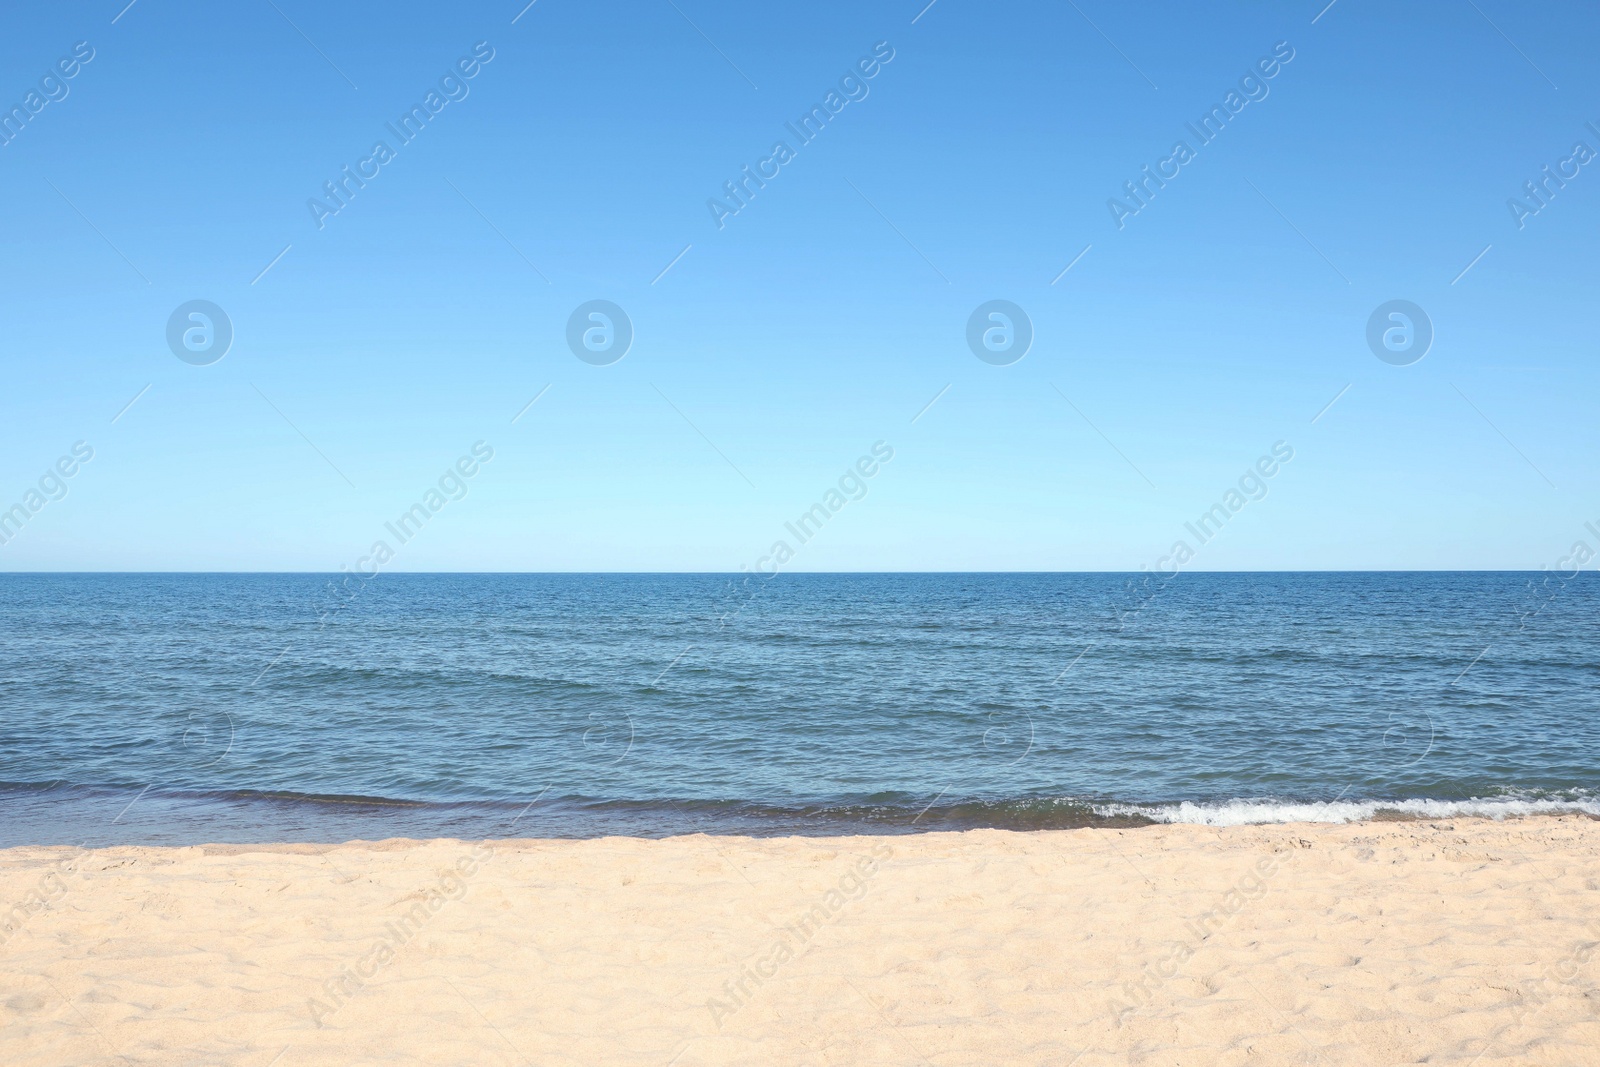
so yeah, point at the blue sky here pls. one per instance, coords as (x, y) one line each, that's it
(824, 316)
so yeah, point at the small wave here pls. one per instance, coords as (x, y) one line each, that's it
(1254, 812)
(303, 798)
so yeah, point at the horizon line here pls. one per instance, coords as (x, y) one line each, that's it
(718, 573)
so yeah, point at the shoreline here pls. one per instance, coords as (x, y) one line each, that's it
(105, 816)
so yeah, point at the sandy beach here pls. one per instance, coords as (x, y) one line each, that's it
(1464, 942)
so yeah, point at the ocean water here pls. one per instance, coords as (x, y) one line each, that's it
(192, 708)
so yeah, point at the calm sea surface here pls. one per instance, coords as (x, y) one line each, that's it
(189, 708)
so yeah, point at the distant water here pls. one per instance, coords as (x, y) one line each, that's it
(191, 708)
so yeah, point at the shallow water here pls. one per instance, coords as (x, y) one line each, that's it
(185, 708)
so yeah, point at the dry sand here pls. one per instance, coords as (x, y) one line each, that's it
(1465, 942)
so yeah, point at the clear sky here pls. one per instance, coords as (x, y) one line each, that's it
(769, 353)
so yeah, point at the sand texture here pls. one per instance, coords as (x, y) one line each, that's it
(1466, 942)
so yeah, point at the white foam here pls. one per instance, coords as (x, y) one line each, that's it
(1248, 812)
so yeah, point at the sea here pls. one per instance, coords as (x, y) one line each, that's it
(191, 708)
